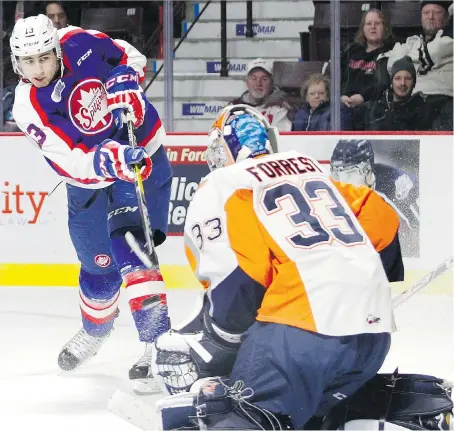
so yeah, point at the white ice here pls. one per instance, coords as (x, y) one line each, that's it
(36, 322)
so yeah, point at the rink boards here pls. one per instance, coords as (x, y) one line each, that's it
(35, 249)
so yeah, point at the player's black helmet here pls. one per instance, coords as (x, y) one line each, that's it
(350, 153)
(352, 162)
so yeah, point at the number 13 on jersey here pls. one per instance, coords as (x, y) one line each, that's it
(315, 215)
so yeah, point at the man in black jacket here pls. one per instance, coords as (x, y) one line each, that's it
(397, 109)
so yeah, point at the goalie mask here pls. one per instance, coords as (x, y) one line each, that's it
(240, 132)
(352, 162)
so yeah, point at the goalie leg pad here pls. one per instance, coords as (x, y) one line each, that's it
(220, 405)
(176, 411)
(213, 404)
(413, 401)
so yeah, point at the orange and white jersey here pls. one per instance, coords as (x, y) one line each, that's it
(275, 239)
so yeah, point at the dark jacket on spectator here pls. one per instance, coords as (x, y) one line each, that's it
(385, 114)
(358, 70)
(320, 118)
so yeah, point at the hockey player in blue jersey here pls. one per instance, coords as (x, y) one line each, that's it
(75, 85)
(353, 162)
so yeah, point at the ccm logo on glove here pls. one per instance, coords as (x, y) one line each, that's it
(121, 79)
(125, 95)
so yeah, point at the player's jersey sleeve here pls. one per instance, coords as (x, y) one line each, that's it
(71, 160)
(115, 52)
(381, 224)
(228, 255)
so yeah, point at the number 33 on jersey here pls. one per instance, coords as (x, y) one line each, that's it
(276, 234)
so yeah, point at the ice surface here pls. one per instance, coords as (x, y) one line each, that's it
(36, 322)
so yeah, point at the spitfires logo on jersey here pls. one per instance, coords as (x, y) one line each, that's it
(88, 107)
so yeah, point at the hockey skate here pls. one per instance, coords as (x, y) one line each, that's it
(79, 349)
(143, 381)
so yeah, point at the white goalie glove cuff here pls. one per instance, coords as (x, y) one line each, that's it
(181, 359)
(172, 362)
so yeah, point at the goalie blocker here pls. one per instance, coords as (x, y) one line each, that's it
(388, 401)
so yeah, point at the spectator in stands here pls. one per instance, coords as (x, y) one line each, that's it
(8, 85)
(398, 108)
(56, 12)
(358, 59)
(315, 113)
(432, 56)
(264, 96)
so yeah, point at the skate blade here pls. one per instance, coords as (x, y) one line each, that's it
(138, 410)
(146, 387)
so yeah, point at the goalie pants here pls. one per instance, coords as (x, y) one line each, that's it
(94, 215)
(299, 374)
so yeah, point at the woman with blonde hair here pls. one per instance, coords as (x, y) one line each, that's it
(315, 112)
(358, 59)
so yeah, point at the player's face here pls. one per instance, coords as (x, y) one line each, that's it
(353, 176)
(39, 69)
(258, 84)
(402, 84)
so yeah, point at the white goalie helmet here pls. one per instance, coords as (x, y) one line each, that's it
(31, 36)
(239, 132)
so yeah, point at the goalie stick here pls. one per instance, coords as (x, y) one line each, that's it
(148, 257)
(424, 281)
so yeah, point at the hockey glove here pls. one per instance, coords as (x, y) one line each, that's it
(179, 360)
(113, 160)
(124, 93)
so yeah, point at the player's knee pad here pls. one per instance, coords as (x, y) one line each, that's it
(98, 296)
(145, 289)
(213, 404)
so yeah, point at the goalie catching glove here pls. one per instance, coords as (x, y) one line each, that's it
(114, 160)
(179, 360)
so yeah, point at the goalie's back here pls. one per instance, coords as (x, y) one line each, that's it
(277, 235)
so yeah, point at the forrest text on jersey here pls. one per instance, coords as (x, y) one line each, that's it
(282, 167)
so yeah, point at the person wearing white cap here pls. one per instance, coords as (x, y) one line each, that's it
(264, 96)
(432, 55)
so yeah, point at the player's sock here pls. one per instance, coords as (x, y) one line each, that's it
(145, 290)
(148, 303)
(97, 315)
(149, 310)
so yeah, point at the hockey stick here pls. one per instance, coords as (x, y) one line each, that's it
(148, 257)
(424, 281)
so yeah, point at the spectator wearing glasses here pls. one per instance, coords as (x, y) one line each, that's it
(264, 96)
(315, 114)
